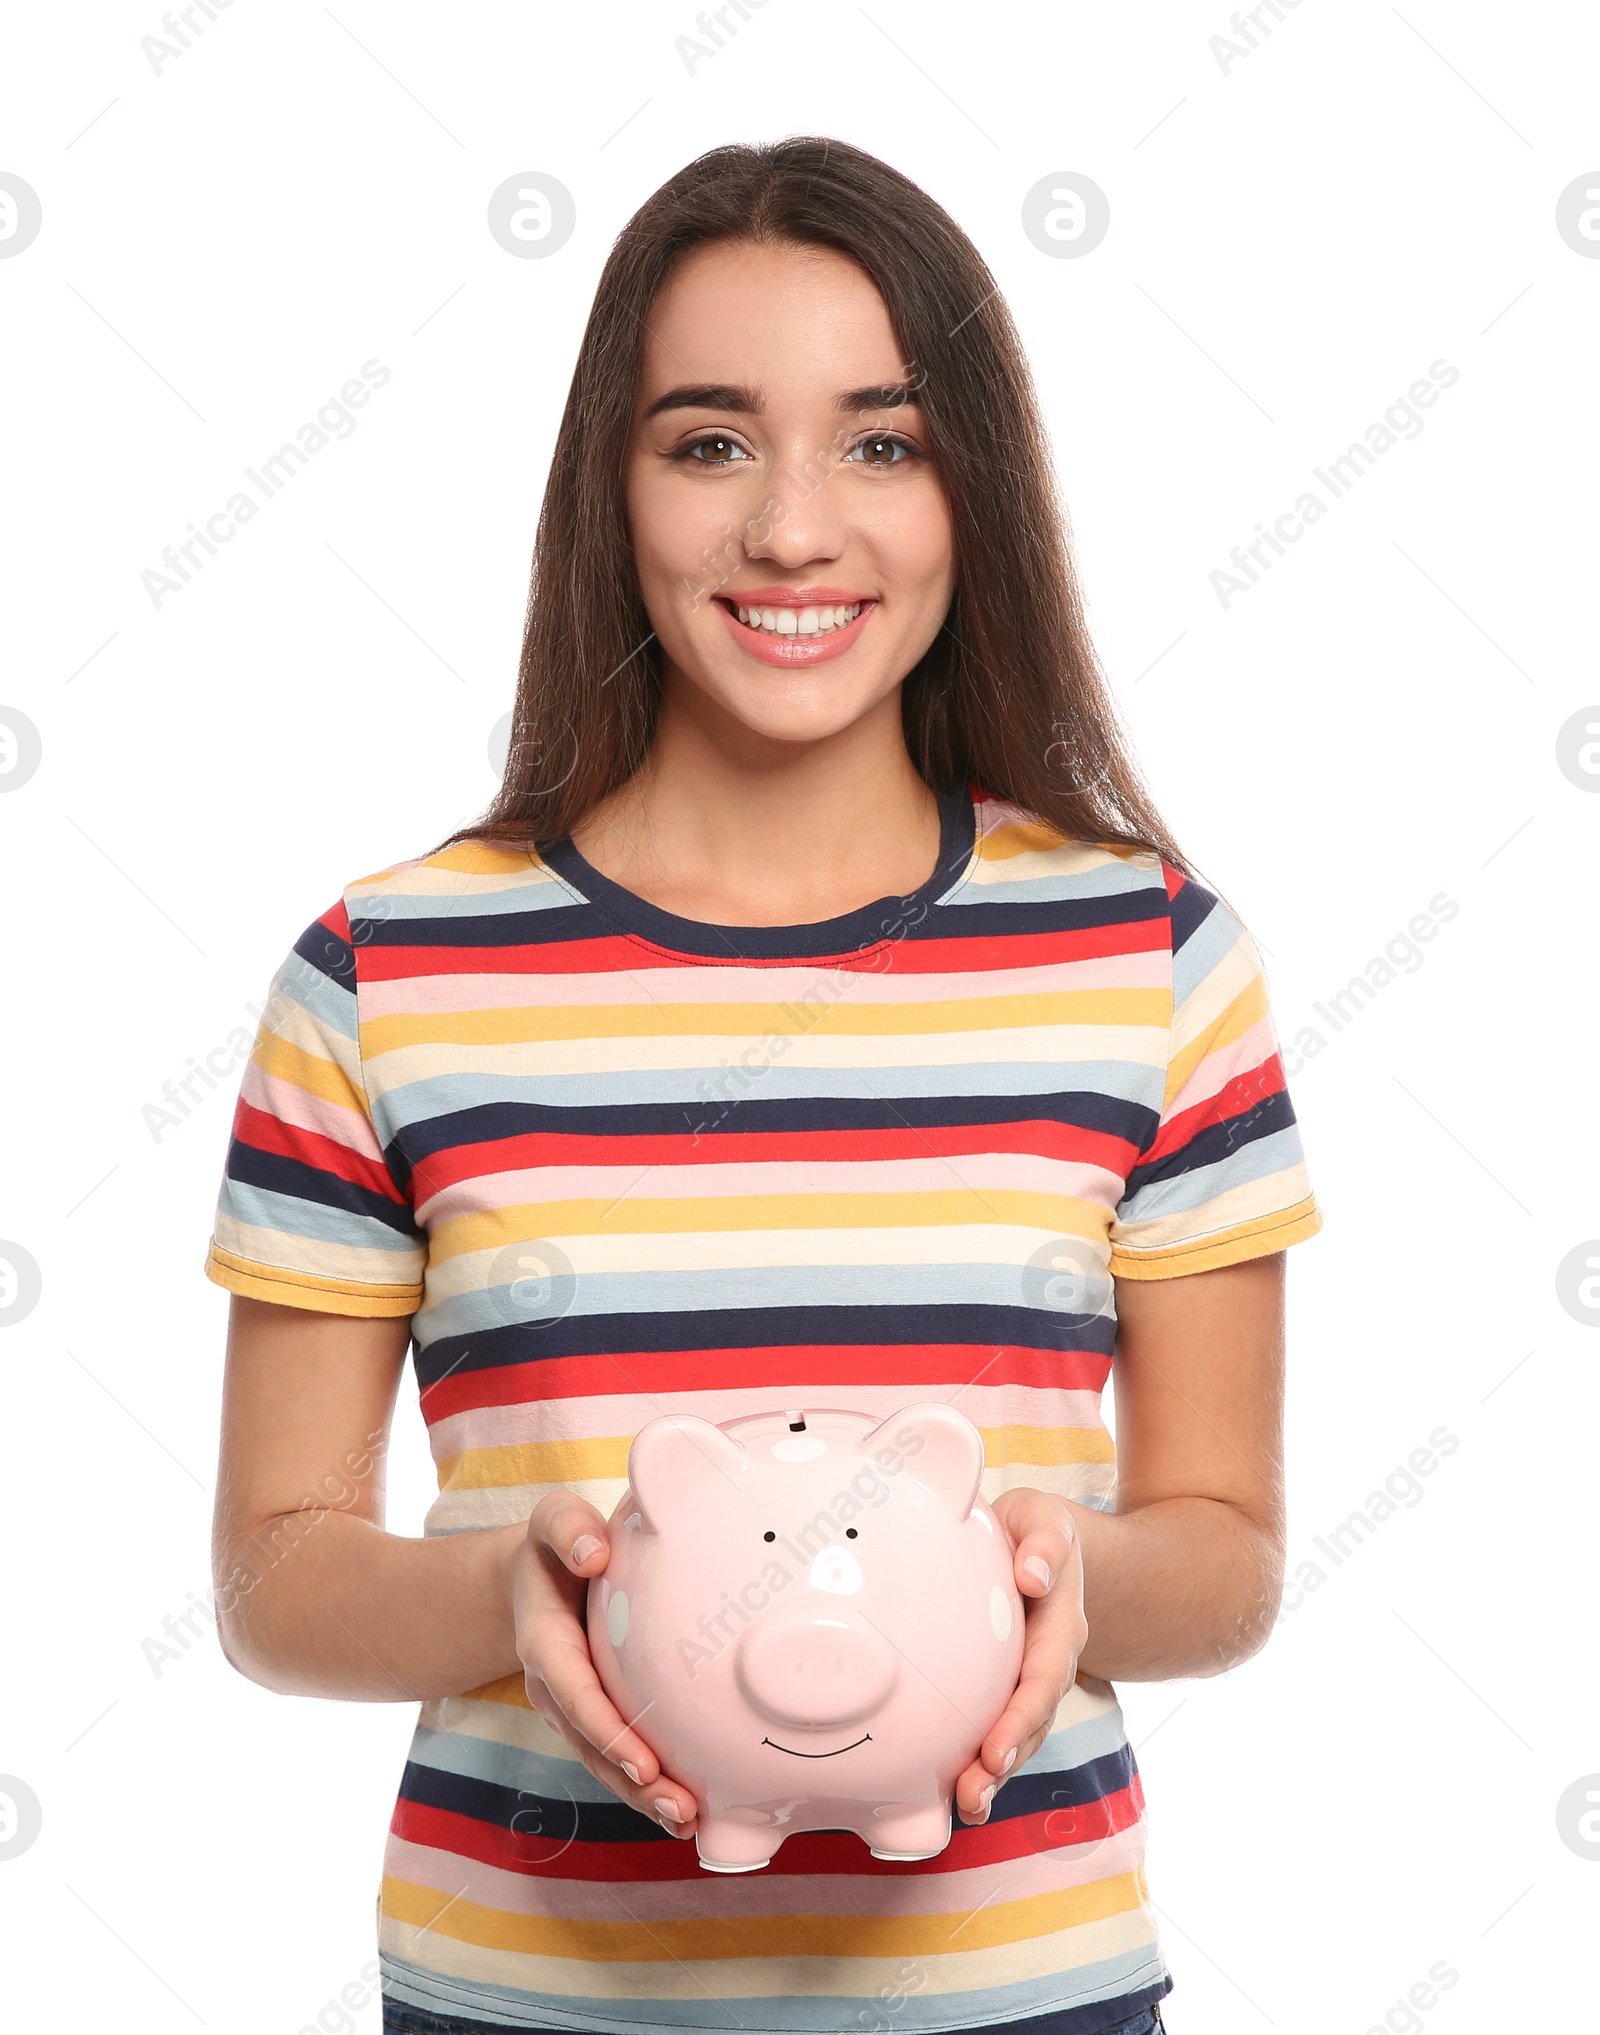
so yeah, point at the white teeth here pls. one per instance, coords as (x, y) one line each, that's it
(798, 622)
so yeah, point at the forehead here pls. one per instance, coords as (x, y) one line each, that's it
(800, 323)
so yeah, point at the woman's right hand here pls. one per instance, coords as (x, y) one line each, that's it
(547, 1576)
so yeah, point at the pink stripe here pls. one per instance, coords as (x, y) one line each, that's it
(971, 1172)
(438, 995)
(773, 1892)
(1224, 1064)
(274, 1096)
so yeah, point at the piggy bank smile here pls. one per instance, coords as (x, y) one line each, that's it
(811, 1583)
(819, 1755)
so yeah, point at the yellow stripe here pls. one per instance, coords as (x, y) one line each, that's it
(728, 1214)
(321, 1077)
(578, 1459)
(1018, 837)
(1235, 1021)
(524, 1023)
(307, 1289)
(739, 1936)
(1245, 1240)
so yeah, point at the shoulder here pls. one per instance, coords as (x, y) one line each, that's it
(461, 881)
(1017, 855)
(1020, 858)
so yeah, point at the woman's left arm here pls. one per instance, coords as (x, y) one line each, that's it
(1186, 1576)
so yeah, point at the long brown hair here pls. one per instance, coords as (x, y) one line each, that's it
(1009, 696)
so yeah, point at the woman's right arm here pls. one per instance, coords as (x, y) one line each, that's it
(315, 1598)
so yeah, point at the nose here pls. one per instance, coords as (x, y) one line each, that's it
(816, 1670)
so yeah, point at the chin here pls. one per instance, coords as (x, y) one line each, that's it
(801, 725)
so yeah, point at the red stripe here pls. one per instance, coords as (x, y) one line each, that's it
(980, 954)
(308, 1148)
(790, 1369)
(1030, 1137)
(812, 1852)
(1234, 1100)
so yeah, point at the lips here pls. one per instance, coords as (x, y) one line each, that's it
(795, 625)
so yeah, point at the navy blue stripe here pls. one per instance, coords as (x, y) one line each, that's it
(278, 1174)
(526, 1812)
(486, 1123)
(328, 954)
(1131, 2014)
(1190, 909)
(1214, 1143)
(665, 1331)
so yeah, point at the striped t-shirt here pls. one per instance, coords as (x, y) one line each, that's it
(616, 1163)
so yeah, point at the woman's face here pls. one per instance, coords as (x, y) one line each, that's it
(793, 539)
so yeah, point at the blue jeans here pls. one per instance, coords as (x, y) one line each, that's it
(402, 2020)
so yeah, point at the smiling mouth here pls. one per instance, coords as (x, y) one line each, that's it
(819, 1755)
(818, 620)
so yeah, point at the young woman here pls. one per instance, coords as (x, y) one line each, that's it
(821, 1016)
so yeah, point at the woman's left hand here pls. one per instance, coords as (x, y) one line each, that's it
(1048, 1565)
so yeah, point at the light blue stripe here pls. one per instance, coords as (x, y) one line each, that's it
(1116, 879)
(291, 1216)
(930, 2013)
(332, 1005)
(1245, 1163)
(1205, 949)
(517, 1767)
(387, 907)
(712, 1090)
(506, 1766)
(708, 1291)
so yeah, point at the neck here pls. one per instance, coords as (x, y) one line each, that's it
(725, 825)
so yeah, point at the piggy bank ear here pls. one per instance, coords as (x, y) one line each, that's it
(675, 1458)
(933, 1443)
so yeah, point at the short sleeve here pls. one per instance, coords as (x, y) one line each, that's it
(1224, 1177)
(310, 1213)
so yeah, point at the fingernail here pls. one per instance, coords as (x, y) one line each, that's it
(1009, 1761)
(667, 1811)
(631, 1771)
(584, 1546)
(1036, 1565)
(986, 1797)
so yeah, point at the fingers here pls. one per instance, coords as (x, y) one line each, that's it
(1045, 1538)
(575, 1533)
(1048, 1564)
(567, 1544)
(666, 1802)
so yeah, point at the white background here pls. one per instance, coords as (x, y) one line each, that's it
(1293, 241)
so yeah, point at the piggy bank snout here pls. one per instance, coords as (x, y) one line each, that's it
(817, 1670)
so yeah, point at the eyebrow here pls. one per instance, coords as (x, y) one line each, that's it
(747, 402)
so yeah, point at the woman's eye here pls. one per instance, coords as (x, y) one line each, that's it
(714, 450)
(883, 449)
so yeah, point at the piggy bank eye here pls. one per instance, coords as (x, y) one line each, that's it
(769, 1534)
(849, 1533)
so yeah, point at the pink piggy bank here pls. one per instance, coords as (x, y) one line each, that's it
(811, 1618)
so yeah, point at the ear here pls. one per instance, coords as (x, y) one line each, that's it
(674, 1458)
(934, 1444)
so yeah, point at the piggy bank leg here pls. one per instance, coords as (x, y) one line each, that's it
(911, 1833)
(727, 1846)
